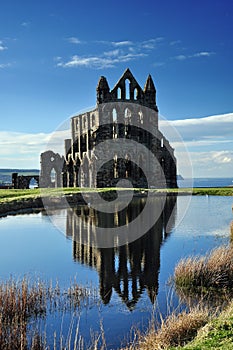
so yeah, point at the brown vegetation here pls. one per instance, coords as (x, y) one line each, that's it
(22, 301)
(211, 273)
(176, 330)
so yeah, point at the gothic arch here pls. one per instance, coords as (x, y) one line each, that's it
(50, 161)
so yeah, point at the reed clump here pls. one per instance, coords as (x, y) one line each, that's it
(205, 274)
(22, 302)
(175, 330)
(19, 301)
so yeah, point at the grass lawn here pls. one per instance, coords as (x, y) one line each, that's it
(7, 195)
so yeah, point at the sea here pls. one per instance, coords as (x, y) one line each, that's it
(206, 182)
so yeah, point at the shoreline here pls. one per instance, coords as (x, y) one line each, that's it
(25, 201)
(55, 201)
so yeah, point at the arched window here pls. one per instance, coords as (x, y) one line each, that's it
(127, 89)
(119, 93)
(53, 177)
(135, 94)
(161, 144)
(33, 183)
(114, 115)
(127, 113)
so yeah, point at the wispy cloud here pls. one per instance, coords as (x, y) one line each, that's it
(121, 43)
(112, 53)
(73, 40)
(203, 54)
(175, 42)
(115, 52)
(106, 60)
(195, 55)
(25, 24)
(2, 47)
(125, 51)
(5, 65)
(151, 43)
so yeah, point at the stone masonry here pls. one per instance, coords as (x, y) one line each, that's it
(126, 119)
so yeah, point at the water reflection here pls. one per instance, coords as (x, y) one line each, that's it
(129, 269)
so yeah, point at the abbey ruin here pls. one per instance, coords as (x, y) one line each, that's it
(119, 139)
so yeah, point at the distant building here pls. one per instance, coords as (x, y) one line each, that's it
(125, 113)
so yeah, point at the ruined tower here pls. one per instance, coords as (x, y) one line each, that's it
(125, 120)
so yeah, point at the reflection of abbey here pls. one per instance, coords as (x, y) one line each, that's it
(131, 269)
(126, 116)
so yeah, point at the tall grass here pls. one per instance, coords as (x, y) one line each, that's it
(210, 273)
(23, 302)
(18, 303)
(175, 330)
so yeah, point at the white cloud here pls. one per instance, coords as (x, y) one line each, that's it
(99, 62)
(175, 42)
(202, 54)
(151, 43)
(122, 43)
(181, 57)
(215, 128)
(112, 53)
(123, 51)
(22, 150)
(25, 24)
(195, 55)
(209, 141)
(2, 47)
(212, 163)
(5, 65)
(73, 40)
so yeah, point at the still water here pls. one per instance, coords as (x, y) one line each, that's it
(131, 280)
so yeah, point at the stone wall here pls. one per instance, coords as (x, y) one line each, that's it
(23, 181)
(126, 119)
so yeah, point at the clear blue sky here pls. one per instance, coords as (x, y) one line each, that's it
(53, 52)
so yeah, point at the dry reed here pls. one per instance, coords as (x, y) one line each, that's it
(211, 273)
(22, 301)
(175, 330)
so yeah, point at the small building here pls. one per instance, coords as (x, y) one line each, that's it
(119, 139)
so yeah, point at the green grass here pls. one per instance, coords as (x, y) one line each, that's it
(215, 191)
(12, 195)
(7, 195)
(217, 334)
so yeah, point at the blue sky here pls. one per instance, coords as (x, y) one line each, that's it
(53, 52)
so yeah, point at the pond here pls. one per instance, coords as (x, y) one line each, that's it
(130, 280)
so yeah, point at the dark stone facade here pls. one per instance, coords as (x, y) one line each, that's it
(126, 120)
